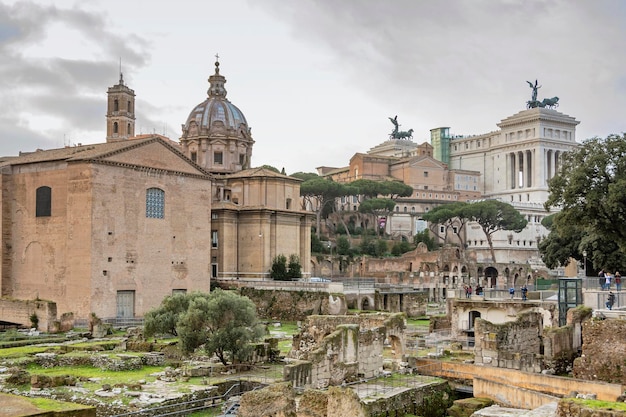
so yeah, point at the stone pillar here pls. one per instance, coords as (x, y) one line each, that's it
(529, 169)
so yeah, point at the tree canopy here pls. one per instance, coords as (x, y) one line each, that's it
(494, 215)
(372, 189)
(223, 321)
(448, 215)
(491, 215)
(590, 190)
(319, 193)
(378, 207)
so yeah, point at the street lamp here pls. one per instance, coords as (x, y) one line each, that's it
(585, 263)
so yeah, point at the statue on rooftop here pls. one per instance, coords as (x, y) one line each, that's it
(535, 88)
(394, 120)
(398, 134)
(546, 102)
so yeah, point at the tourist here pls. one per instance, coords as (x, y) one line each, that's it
(610, 301)
(512, 292)
(607, 281)
(524, 293)
(618, 281)
(469, 291)
(601, 278)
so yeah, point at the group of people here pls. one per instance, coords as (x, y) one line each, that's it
(524, 290)
(469, 290)
(605, 279)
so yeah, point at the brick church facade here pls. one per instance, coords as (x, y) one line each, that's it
(113, 228)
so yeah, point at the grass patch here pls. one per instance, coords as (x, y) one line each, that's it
(284, 346)
(45, 404)
(420, 322)
(109, 377)
(601, 405)
(18, 352)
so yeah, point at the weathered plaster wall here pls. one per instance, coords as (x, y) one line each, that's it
(516, 344)
(19, 311)
(547, 384)
(294, 305)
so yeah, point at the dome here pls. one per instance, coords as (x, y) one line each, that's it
(216, 134)
(214, 109)
(216, 114)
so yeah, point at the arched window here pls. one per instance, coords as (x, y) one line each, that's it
(115, 127)
(155, 203)
(128, 132)
(43, 202)
(116, 105)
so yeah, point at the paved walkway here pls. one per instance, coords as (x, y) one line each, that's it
(16, 406)
(547, 410)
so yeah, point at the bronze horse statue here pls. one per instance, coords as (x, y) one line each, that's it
(408, 134)
(546, 102)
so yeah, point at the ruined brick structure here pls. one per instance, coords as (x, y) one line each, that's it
(332, 349)
(603, 351)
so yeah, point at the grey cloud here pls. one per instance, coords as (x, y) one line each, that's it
(70, 89)
(451, 59)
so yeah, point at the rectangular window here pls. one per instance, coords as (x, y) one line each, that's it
(155, 203)
(179, 291)
(214, 216)
(214, 240)
(242, 159)
(218, 158)
(194, 157)
(43, 202)
(425, 174)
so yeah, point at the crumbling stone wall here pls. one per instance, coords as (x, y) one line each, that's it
(513, 345)
(294, 305)
(277, 400)
(569, 407)
(603, 352)
(562, 344)
(413, 304)
(334, 349)
(19, 311)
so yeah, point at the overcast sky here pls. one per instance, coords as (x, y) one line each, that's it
(316, 80)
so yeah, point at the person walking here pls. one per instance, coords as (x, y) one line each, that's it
(610, 301)
(512, 292)
(618, 281)
(524, 293)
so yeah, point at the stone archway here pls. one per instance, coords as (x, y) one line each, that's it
(491, 277)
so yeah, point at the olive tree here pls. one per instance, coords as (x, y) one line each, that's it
(224, 322)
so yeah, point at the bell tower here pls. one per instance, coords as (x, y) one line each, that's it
(120, 112)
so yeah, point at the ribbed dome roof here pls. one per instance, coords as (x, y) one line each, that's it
(217, 108)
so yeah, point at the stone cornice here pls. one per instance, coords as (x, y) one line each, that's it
(537, 115)
(148, 169)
